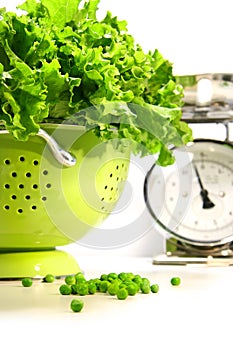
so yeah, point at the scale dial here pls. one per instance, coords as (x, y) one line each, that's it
(192, 199)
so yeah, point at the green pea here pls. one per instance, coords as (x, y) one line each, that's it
(122, 285)
(104, 277)
(92, 288)
(137, 279)
(132, 288)
(154, 288)
(80, 279)
(112, 276)
(122, 276)
(130, 275)
(145, 280)
(78, 274)
(27, 282)
(82, 289)
(97, 282)
(145, 288)
(76, 305)
(122, 294)
(65, 289)
(74, 289)
(104, 286)
(91, 280)
(70, 279)
(49, 278)
(175, 281)
(127, 281)
(113, 288)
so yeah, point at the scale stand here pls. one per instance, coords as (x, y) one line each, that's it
(178, 253)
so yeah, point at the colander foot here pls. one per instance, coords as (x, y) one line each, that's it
(37, 264)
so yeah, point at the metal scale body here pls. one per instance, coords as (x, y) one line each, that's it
(191, 201)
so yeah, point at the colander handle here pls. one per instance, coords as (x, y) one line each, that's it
(62, 156)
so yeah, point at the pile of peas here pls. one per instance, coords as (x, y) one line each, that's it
(120, 285)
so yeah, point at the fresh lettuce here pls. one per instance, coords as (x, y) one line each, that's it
(60, 64)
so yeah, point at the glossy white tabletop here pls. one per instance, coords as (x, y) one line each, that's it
(194, 315)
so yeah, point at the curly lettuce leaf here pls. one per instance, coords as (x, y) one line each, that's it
(58, 63)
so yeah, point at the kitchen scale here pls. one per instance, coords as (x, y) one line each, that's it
(191, 201)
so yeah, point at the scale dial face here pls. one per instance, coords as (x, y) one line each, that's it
(193, 198)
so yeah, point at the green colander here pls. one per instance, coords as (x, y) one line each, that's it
(55, 188)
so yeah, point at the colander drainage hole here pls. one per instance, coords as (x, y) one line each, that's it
(7, 186)
(21, 186)
(33, 207)
(27, 197)
(35, 162)
(14, 174)
(7, 161)
(7, 207)
(22, 159)
(28, 174)
(20, 211)
(13, 196)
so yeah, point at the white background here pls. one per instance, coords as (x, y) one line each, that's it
(197, 38)
(195, 35)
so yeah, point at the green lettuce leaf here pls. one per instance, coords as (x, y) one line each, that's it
(59, 63)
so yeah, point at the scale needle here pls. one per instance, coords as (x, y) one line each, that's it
(207, 203)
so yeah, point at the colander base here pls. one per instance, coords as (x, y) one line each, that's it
(37, 264)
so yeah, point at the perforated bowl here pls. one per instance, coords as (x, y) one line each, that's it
(45, 204)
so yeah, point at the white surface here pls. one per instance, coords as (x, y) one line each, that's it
(194, 315)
